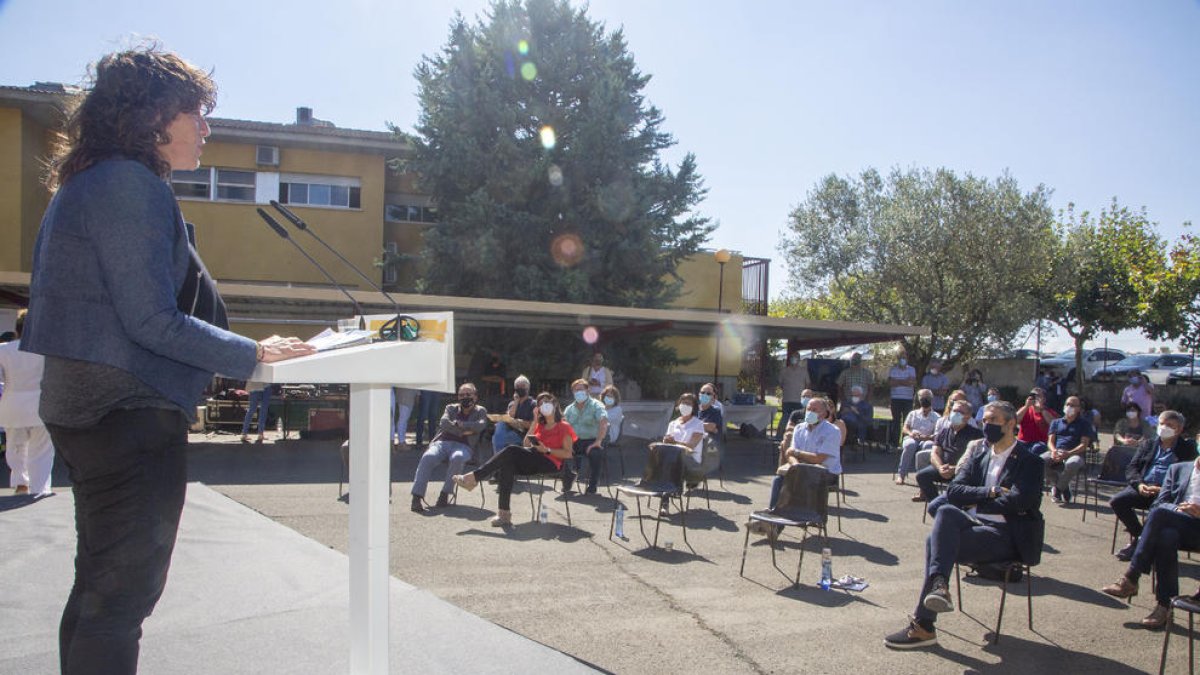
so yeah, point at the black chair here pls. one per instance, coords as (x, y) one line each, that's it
(1009, 565)
(663, 478)
(1191, 605)
(1112, 474)
(710, 463)
(555, 478)
(803, 503)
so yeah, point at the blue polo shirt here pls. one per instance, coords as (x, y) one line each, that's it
(1067, 434)
(712, 415)
(1156, 470)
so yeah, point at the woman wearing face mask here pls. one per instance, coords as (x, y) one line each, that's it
(547, 445)
(856, 414)
(993, 395)
(975, 389)
(688, 431)
(1139, 391)
(589, 419)
(918, 434)
(611, 396)
(1131, 428)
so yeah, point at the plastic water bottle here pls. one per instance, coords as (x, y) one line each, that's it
(279, 425)
(826, 569)
(543, 515)
(620, 528)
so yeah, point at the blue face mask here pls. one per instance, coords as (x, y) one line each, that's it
(705, 399)
(804, 402)
(609, 401)
(581, 396)
(811, 417)
(992, 398)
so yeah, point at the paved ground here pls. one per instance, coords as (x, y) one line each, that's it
(629, 609)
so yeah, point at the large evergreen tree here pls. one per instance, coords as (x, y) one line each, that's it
(543, 156)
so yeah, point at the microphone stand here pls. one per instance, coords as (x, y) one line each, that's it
(279, 229)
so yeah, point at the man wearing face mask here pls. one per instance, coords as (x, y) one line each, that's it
(460, 424)
(937, 382)
(814, 441)
(710, 411)
(1146, 473)
(918, 434)
(520, 410)
(589, 419)
(993, 395)
(1172, 523)
(792, 382)
(1069, 438)
(901, 378)
(990, 514)
(855, 376)
(950, 448)
(857, 413)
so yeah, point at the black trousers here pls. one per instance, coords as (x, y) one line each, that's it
(959, 538)
(900, 409)
(510, 462)
(1124, 503)
(129, 475)
(595, 459)
(1166, 532)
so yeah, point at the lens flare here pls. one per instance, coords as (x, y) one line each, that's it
(549, 140)
(555, 174)
(567, 249)
(591, 335)
(523, 47)
(528, 71)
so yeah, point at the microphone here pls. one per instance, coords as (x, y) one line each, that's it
(279, 230)
(301, 225)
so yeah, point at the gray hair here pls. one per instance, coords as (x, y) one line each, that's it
(521, 379)
(1169, 415)
(1003, 408)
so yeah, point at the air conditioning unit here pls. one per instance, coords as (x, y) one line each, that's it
(267, 155)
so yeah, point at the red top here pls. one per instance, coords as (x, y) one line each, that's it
(553, 438)
(1034, 426)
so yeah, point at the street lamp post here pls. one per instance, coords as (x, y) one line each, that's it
(721, 257)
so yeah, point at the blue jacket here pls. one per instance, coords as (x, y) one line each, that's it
(1179, 476)
(110, 264)
(1022, 475)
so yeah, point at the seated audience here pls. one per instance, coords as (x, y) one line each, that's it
(950, 449)
(943, 421)
(993, 395)
(857, 413)
(1131, 429)
(1172, 523)
(976, 391)
(918, 434)
(589, 419)
(990, 515)
(688, 431)
(549, 443)
(711, 413)
(611, 396)
(1146, 473)
(452, 444)
(520, 409)
(1069, 439)
(813, 441)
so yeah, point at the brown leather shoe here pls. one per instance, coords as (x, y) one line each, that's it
(1123, 588)
(1158, 618)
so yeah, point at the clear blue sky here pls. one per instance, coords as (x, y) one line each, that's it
(1093, 98)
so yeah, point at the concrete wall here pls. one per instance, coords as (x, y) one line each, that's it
(12, 160)
(1106, 396)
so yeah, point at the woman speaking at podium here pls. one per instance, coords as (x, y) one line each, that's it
(132, 329)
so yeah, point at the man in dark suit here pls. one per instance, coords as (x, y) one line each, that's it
(990, 515)
(1172, 524)
(1146, 473)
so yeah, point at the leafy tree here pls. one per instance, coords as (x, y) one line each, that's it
(923, 247)
(537, 143)
(1097, 274)
(1170, 304)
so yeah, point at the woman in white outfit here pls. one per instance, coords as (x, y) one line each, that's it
(30, 453)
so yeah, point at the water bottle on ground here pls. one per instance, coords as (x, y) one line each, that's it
(543, 515)
(620, 527)
(826, 569)
(279, 425)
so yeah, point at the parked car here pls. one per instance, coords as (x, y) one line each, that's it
(1156, 367)
(1189, 374)
(1063, 363)
(1021, 354)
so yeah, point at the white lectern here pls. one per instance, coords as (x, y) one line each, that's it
(371, 371)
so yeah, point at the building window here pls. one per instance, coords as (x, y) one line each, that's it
(336, 192)
(407, 213)
(214, 184)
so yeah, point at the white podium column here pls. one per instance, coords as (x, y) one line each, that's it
(370, 478)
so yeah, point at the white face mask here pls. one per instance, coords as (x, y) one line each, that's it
(956, 419)
(903, 362)
(1165, 432)
(547, 409)
(811, 417)
(1070, 410)
(685, 409)
(1132, 414)
(933, 371)
(855, 399)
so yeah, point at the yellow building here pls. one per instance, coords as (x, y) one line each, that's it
(338, 180)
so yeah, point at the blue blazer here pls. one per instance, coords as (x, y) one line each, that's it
(1175, 485)
(111, 264)
(1022, 475)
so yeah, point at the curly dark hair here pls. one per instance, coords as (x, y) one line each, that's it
(134, 96)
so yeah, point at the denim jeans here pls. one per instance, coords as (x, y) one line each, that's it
(129, 473)
(455, 455)
(505, 435)
(427, 414)
(260, 399)
(1166, 532)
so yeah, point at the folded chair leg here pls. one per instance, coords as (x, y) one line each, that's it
(657, 524)
(683, 522)
(745, 545)
(532, 507)
(1003, 597)
(641, 526)
(708, 501)
(1113, 548)
(612, 523)
(1029, 593)
(800, 565)
(958, 586)
(1162, 660)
